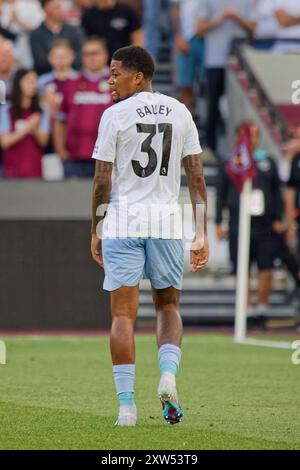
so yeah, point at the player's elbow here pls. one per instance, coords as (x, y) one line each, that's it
(5, 142)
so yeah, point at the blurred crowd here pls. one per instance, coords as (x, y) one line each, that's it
(66, 45)
(54, 62)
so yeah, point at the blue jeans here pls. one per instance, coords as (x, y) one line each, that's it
(152, 25)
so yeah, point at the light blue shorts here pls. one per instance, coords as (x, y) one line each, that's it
(188, 66)
(128, 260)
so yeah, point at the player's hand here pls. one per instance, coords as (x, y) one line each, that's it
(199, 254)
(32, 123)
(51, 101)
(181, 44)
(278, 227)
(64, 154)
(96, 250)
(229, 14)
(284, 18)
(14, 16)
(221, 232)
(291, 234)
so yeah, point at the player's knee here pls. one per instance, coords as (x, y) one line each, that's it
(265, 273)
(123, 314)
(168, 308)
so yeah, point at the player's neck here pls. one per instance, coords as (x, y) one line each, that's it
(147, 87)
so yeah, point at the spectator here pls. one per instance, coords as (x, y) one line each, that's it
(220, 22)
(8, 64)
(116, 23)
(293, 205)
(85, 100)
(151, 12)
(83, 4)
(8, 67)
(21, 17)
(267, 26)
(24, 129)
(288, 15)
(189, 47)
(137, 5)
(52, 85)
(52, 28)
(5, 33)
(293, 191)
(263, 243)
(73, 10)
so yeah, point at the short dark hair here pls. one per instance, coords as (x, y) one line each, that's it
(136, 58)
(61, 43)
(96, 39)
(44, 2)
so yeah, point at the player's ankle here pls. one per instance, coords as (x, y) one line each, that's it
(169, 357)
(168, 377)
(126, 399)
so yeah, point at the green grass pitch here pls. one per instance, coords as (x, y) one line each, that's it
(58, 393)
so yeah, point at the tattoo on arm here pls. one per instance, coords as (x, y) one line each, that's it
(197, 187)
(101, 191)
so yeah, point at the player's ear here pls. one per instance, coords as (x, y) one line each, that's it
(139, 78)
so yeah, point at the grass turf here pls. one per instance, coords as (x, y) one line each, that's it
(58, 393)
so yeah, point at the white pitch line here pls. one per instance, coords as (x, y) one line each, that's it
(266, 343)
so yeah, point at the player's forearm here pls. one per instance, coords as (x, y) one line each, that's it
(289, 202)
(41, 137)
(59, 137)
(248, 26)
(198, 194)
(204, 26)
(9, 140)
(101, 193)
(25, 26)
(137, 38)
(175, 14)
(285, 20)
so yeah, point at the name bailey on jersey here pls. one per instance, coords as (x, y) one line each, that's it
(154, 110)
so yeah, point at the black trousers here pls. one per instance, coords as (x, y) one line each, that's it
(283, 252)
(216, 88)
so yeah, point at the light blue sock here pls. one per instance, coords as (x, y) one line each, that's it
(124, 381)
(169, 357)
(126, 398)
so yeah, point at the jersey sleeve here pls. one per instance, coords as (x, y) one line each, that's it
(191, 144)
(62, 113)
(279, 4)
(106, 144)
(204, 10)
(45, 124)
(5, 125)
(253, 12)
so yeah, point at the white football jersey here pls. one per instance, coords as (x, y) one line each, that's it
(145, 137)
